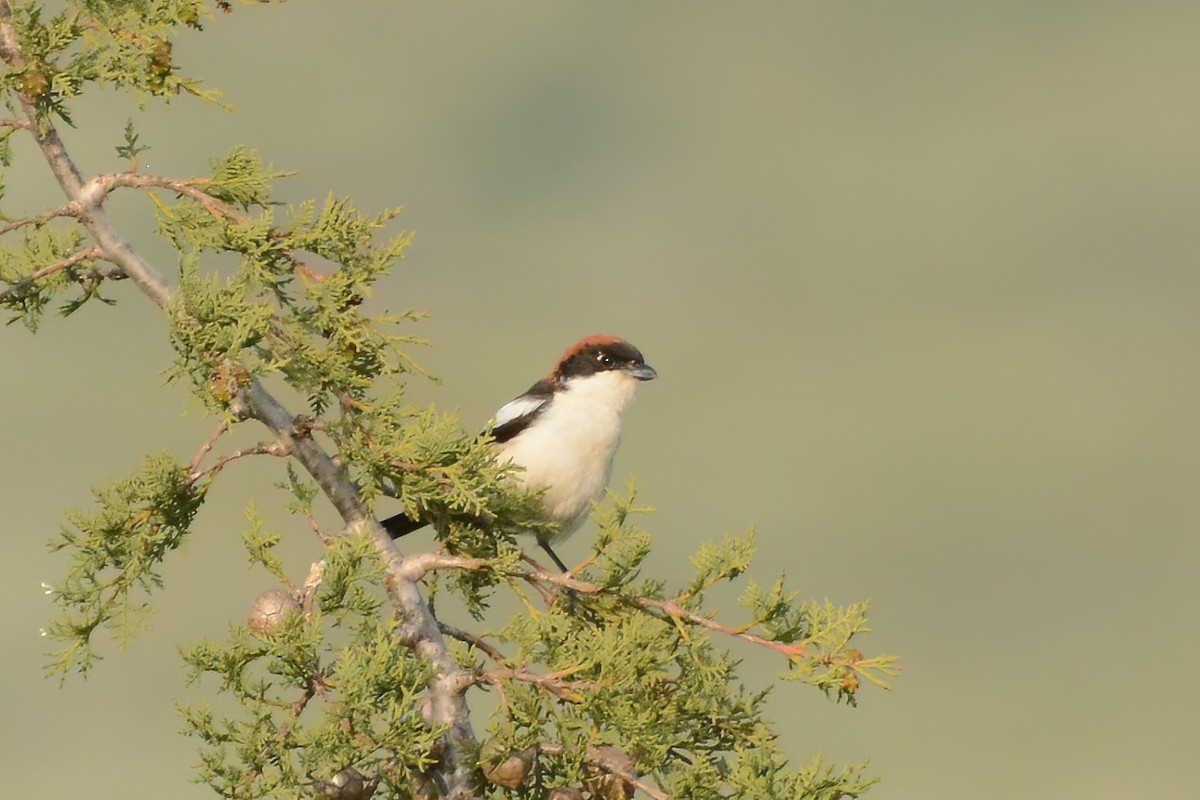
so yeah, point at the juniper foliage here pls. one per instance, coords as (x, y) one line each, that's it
(351, 681)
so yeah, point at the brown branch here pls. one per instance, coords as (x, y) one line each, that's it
(277, 449)
(548, 594)
(632, 779)
(325, 536)
(208, 445)
(86, 254)
(419, 565)
(636, 782)
(604, 763)
(552, 683)
(478, 642)
(36, 219)
(506, 669)
(669, 609)
(101, 186)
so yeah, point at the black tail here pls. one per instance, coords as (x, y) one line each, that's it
(400, 525)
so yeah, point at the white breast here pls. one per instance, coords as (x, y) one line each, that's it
(569, 449)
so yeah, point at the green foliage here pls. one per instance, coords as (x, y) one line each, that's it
(32, 287)
(261, 543)
(274, 313)
(116, 551)
(123, 45)
(328, 677)
(131, 149)
(628, 664)
(606, 662)
(240, 179)
(621, 545)
(324, 689)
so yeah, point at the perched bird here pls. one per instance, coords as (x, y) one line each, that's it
(564, 431)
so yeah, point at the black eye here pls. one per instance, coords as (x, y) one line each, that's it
(605, 359)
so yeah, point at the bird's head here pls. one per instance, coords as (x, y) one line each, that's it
(602, 353)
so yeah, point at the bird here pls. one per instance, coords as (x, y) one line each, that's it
(563, 432)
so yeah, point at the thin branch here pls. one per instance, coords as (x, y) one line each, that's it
(506, 669)
(598, 761)
(548, 594)
(481, 644)
(101, 186)
(316, 573)
(636, 782)
(86, 254)
(567, 691)
(208, 445)
(325, 536)
(478, 642)
(669, 609)
(54, 213)
(277, 449)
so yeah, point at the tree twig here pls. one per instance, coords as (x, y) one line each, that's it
(506, 669)
(55, 213)
(567, 691)
(101, 186)
(208, 445)
(478, 642)
(262, 449)
(670, 609)
(86, 254)
(596, 760)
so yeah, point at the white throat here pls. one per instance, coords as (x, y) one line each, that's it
(570, 447)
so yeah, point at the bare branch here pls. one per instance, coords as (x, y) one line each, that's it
(99, 187)
(277, 449)
(54, 213)
(632, 780)
(221, 430)
(419, 565)
(316, 574)
(478, 642)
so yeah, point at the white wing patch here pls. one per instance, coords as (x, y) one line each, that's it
(515, 409)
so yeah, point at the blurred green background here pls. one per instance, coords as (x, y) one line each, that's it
(919, 278)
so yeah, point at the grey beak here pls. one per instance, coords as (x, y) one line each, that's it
(643, 372)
